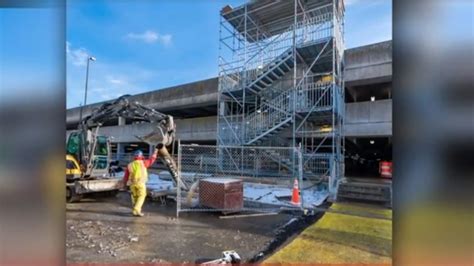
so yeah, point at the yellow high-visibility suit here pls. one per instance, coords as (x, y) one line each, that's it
(137, 176)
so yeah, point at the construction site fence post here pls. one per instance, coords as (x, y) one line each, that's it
(300, 173)
(178, 182)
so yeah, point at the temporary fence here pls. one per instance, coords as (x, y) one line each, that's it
(236, 178)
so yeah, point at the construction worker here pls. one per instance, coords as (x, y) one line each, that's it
(136, 175)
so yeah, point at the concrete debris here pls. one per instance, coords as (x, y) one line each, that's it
(90, 235)
(277, 195)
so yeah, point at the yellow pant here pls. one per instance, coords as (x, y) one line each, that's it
(138, 197)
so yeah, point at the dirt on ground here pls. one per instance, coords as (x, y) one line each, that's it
(101, 229)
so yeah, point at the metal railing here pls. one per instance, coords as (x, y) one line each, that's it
(314, 97)
(314, 29)
(255, 56)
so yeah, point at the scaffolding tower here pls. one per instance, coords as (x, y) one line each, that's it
(281, 83)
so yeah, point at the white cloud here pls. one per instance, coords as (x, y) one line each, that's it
(150, 36)
(102, 85)
(350, 2)
(115, 80)
(77, 57)
(107, 79)
(109, 95)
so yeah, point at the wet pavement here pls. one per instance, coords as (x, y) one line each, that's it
(101, 229)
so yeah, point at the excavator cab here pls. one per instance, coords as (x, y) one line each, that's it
(99, 160)
(81, 181)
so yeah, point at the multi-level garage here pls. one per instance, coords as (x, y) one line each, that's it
(368, 112)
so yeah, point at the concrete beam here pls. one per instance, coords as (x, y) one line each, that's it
(192, 129)
(368, 119)
(368, 64)
(196, 94)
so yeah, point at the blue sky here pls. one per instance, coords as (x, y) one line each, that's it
(148, 45)
(30, 56)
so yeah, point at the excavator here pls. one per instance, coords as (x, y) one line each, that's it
(88, 154)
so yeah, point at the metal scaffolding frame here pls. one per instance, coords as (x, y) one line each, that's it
(281, 83)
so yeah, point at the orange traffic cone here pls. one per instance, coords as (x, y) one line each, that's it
(295, 196)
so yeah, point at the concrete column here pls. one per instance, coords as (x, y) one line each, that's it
(121, 121)
(120, 151)
(120, 146)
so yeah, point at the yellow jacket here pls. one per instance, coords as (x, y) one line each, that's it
(137, 172)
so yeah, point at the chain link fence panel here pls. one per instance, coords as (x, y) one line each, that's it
(232, 178)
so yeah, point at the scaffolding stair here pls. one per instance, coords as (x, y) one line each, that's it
(269, 120)
(266, 133)
(275, 115)
(272, 72)
(275, 141)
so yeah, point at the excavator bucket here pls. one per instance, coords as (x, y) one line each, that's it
(156, 137)
(162, 134)
(160, 140)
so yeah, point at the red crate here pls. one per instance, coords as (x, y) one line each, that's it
(221, 193)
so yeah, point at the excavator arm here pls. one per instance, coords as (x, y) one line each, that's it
(162, 135)
(123, 107)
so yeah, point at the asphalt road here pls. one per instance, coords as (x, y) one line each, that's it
(101, 229)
